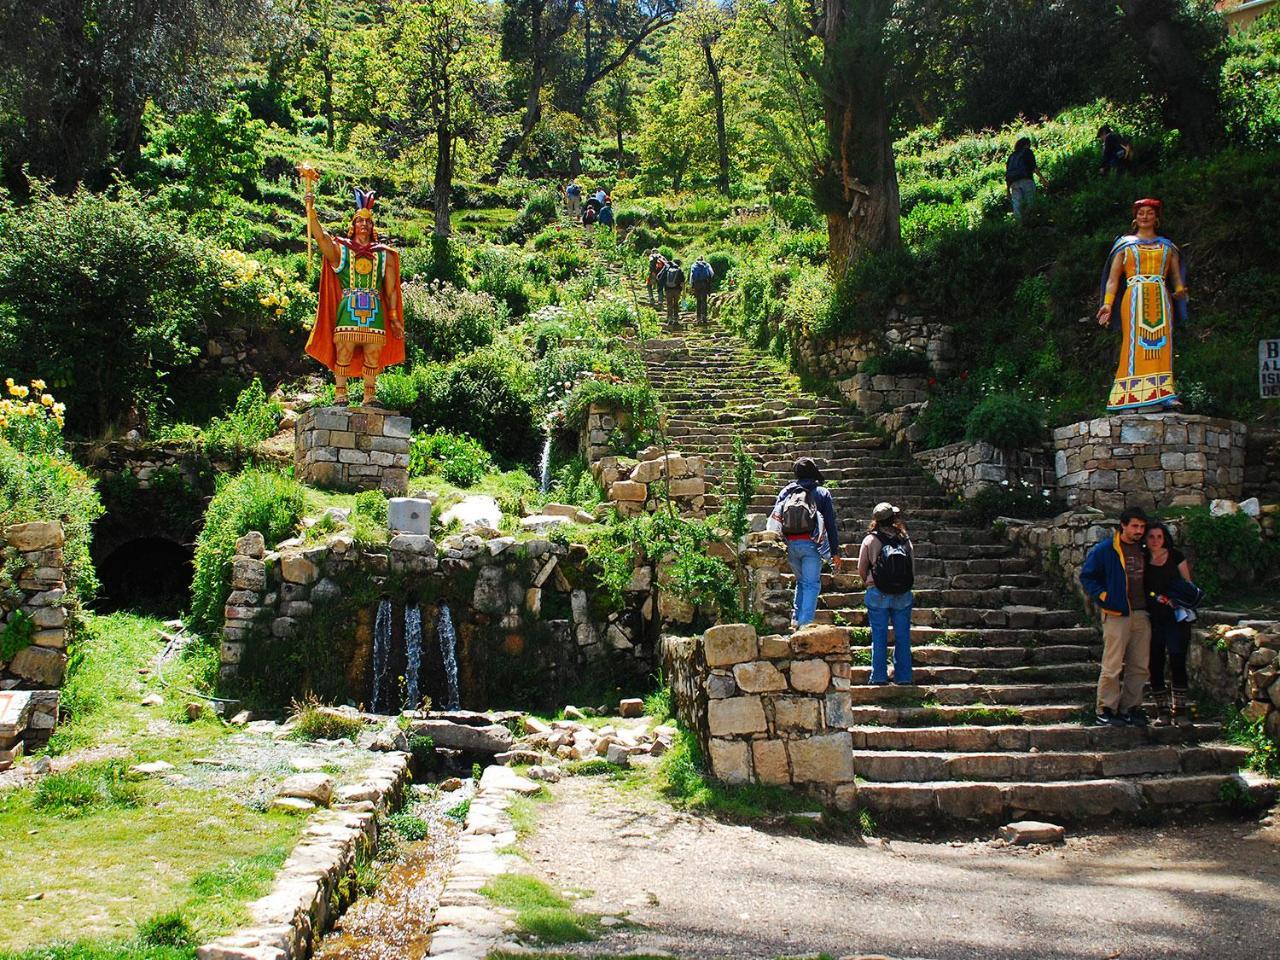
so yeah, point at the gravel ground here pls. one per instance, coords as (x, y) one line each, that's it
(699, 888)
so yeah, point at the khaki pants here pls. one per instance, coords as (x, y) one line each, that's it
(673, 305)
(1126, 657)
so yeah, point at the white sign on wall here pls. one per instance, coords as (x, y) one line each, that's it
(1269, 369)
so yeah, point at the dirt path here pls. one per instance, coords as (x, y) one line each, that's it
(699, 888)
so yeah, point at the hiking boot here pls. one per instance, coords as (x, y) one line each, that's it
(1136, 717)
(1164, 715)
(1181, 709)
(1107, 718)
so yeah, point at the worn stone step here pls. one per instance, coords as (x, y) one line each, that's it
(946, 618)
(947, 656)
(1026, 737)
(897, 716)
(1062, 801)
(974, 599)
(970, 694)
(926, 674)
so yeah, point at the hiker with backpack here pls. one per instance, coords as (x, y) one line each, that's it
(573, 199)
(589, 215)
(1020, 174)
(605, 216)
(653, 282)
(887, 569)
(701, 275)
(1117, 151)
(805, 515)
(672, 288)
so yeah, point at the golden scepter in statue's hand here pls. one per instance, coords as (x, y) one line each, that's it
(308, 176)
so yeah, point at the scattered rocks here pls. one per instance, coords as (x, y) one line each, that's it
(451, 784)
(292, 805)
(631, 707)
(316, 787)
(1023, 832)
(546, 774)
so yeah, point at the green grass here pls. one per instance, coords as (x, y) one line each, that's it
(541, 911)
(101, 949)
(84, 789)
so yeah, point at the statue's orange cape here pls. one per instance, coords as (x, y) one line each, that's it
(320, 343)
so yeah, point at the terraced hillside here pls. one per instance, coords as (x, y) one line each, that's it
(995, 724)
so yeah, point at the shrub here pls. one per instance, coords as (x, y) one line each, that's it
(539, 209)
(442, 321)
(636, 399)
(313, 720)
(797, 212)
(372, 505)
(457, 458)
(1006, 421)
(397, 390)
(723, 263)
(1018, 499)
(560, 370)
(253, 419)
(167, 930)
(442, 260)
(504, 276)
(1227, 551)
(489, 396)
(254, 500)
(897, 362)
(31, 419)
(85, 788)
(407, 826)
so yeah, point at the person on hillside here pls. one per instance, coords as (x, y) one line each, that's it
(653, 282)
(601, 196)
(590, 215)
(1114, 577)
(805, 515)
(887, 569)
(1167, 569)
(1020, 175)
(701, 276)
(605, 216)
(672, 288)
(573, 199)
(1117, 151)
(592, 204)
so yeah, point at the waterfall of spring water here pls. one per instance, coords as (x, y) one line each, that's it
(449, 650)
(413, 654)
(544, 466)
(381, 648)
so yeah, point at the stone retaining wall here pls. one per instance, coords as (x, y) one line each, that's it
(1149, 460)
(1262, 463)
(883, 392)
(965, 468)
(772, 710)
(317, 883)
(594, 437)
(1058, 545)
(353, 448)
(1240, 665)
(34, 601)
(641, 486)
(841, 357)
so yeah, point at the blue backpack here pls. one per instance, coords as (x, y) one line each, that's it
(701, 271)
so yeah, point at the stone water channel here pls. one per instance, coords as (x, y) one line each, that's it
(393, 922)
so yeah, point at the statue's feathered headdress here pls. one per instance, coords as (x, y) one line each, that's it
(364, 202)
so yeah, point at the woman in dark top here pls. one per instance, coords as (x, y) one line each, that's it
(1169, 638)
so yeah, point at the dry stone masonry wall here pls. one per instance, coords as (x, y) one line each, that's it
(34, 604)
(1240, 665)
(772, 710)
(353, 448)
(966, 468)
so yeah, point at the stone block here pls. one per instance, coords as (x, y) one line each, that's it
(820, 640)
(628, 491)
(251, 545)
(36, 535)
(729, 643)
(839, 710)
(691, 487)
(409, 515)
(398, 427)
(759, 677)
(295, 568)
(44, 666)
(823, 759)
(248, 574)
(736, 715)
(810, 676)
(731, 760)
(353, 457)
(792, 714)
(775, 648)
(769, 758)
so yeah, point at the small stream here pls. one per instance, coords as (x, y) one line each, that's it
(394, 922)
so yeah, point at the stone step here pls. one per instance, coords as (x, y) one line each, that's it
(971, 694)
(899, 717)
(947, 656)
(1026, 737)
(972, 599)
(1061, 801)
(946, 618)
(964, 673)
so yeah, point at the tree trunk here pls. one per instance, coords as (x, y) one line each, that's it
(326, 106)
(575, 161)
(1191, 102)
(722, 141)
(444, 179)
(621, 151)
(532, 115)
(859, 184)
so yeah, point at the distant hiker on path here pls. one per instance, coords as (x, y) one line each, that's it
(672, 288)
(701, 276)
(1168, 574)
(1020, 174)
(887, 569)
(805, 515)
(1114, 577)
(1117, 151)
(573, 199)
(653, 282)
(605, 216)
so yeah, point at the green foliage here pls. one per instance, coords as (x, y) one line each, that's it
(456, 457)
(1228, 552)
(505, 276)
(253, 419)
(167, 930)
(1264, 751)
(459, 811)
(442, 321)
(44, 487)
(540, 911)
(407, 826)
(313, 720)
(423, 750)
(1006, 421)
(636, 400)
(442, 260)
(219, 151)
(86, 788)
(572, 482)
(796, 212)
(253, 500)
(539, 209)
(372, 506)
(898, 363)
(660, 704)
(1020, 499)
(397, 390)
(1251, 83)
(17, 635)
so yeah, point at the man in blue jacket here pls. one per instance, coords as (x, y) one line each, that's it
(805, 515)
(1112, 576)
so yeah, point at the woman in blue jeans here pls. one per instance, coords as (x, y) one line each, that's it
(886, 566)
(805, 515)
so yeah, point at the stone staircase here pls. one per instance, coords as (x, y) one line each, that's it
(996, 724)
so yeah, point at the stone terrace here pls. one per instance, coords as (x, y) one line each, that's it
(1004, 672)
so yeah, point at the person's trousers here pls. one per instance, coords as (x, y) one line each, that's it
(1169, 642)
(806, 564)
(884, 609)
(1021, 194)
(701, 300)
(1126, 654)
(673, 305)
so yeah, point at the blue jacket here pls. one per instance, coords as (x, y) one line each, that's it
(1103, 576)
(827, 535)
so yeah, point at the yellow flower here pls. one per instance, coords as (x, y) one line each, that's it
(8, 381)
(18, 391)
(46, 399)
(37, 384)
(59, 409)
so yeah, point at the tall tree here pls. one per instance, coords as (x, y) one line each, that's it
(704, 23)
(76, 75)
(532, 31)
(619, 102)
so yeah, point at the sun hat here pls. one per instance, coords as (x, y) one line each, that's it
(884, 512)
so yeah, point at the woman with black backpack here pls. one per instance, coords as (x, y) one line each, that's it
(888, 572)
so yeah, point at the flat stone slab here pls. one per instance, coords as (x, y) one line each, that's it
(1023, 832)
(492, 738)
(474, 511)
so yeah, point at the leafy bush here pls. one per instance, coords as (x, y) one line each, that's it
(254, 500)
(407, 826)
(18, 634)
(797, 212)
(503, 275)
(1020, 499)
(1006, 421)
(86, 788)
(458, 458)
(442, 321)
(397, 390)
(723, 263)
(167, 930)
(572, 482)
(635, 399)
(44, 487)
(1227, 551)
(559, 371)
(253, 419)
(31, 419)
(897, 362)
(313, 720)
(539, 209)
(1264, 751)
(372, 505)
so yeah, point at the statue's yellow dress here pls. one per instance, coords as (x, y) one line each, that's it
(1144, 376)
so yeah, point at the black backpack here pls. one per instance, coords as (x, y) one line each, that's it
(1016, 167)
(893, 570)
(673, 277)
(799, 514)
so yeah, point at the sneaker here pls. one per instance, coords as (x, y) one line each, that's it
(1107, 718)
(1136, 717)
(878, 683)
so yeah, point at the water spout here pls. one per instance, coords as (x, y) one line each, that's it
(449, 651)
(381, 649)
(544, 465)
(413, 654)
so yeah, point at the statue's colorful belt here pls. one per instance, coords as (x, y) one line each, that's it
(1145, 278)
